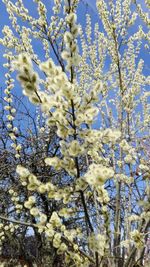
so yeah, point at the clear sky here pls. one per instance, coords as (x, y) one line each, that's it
(4, 20)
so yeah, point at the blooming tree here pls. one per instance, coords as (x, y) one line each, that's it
(88, 197)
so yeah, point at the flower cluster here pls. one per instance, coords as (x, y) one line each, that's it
(71, 52)
(97, 243)
(28, 78)
(103, 196)
(98, 174)
(16, 200)
(5, 230)
(11, 111)
(137, 238)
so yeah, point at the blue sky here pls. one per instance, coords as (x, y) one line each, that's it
(32, 11)
(81, 18)
(29, 4)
